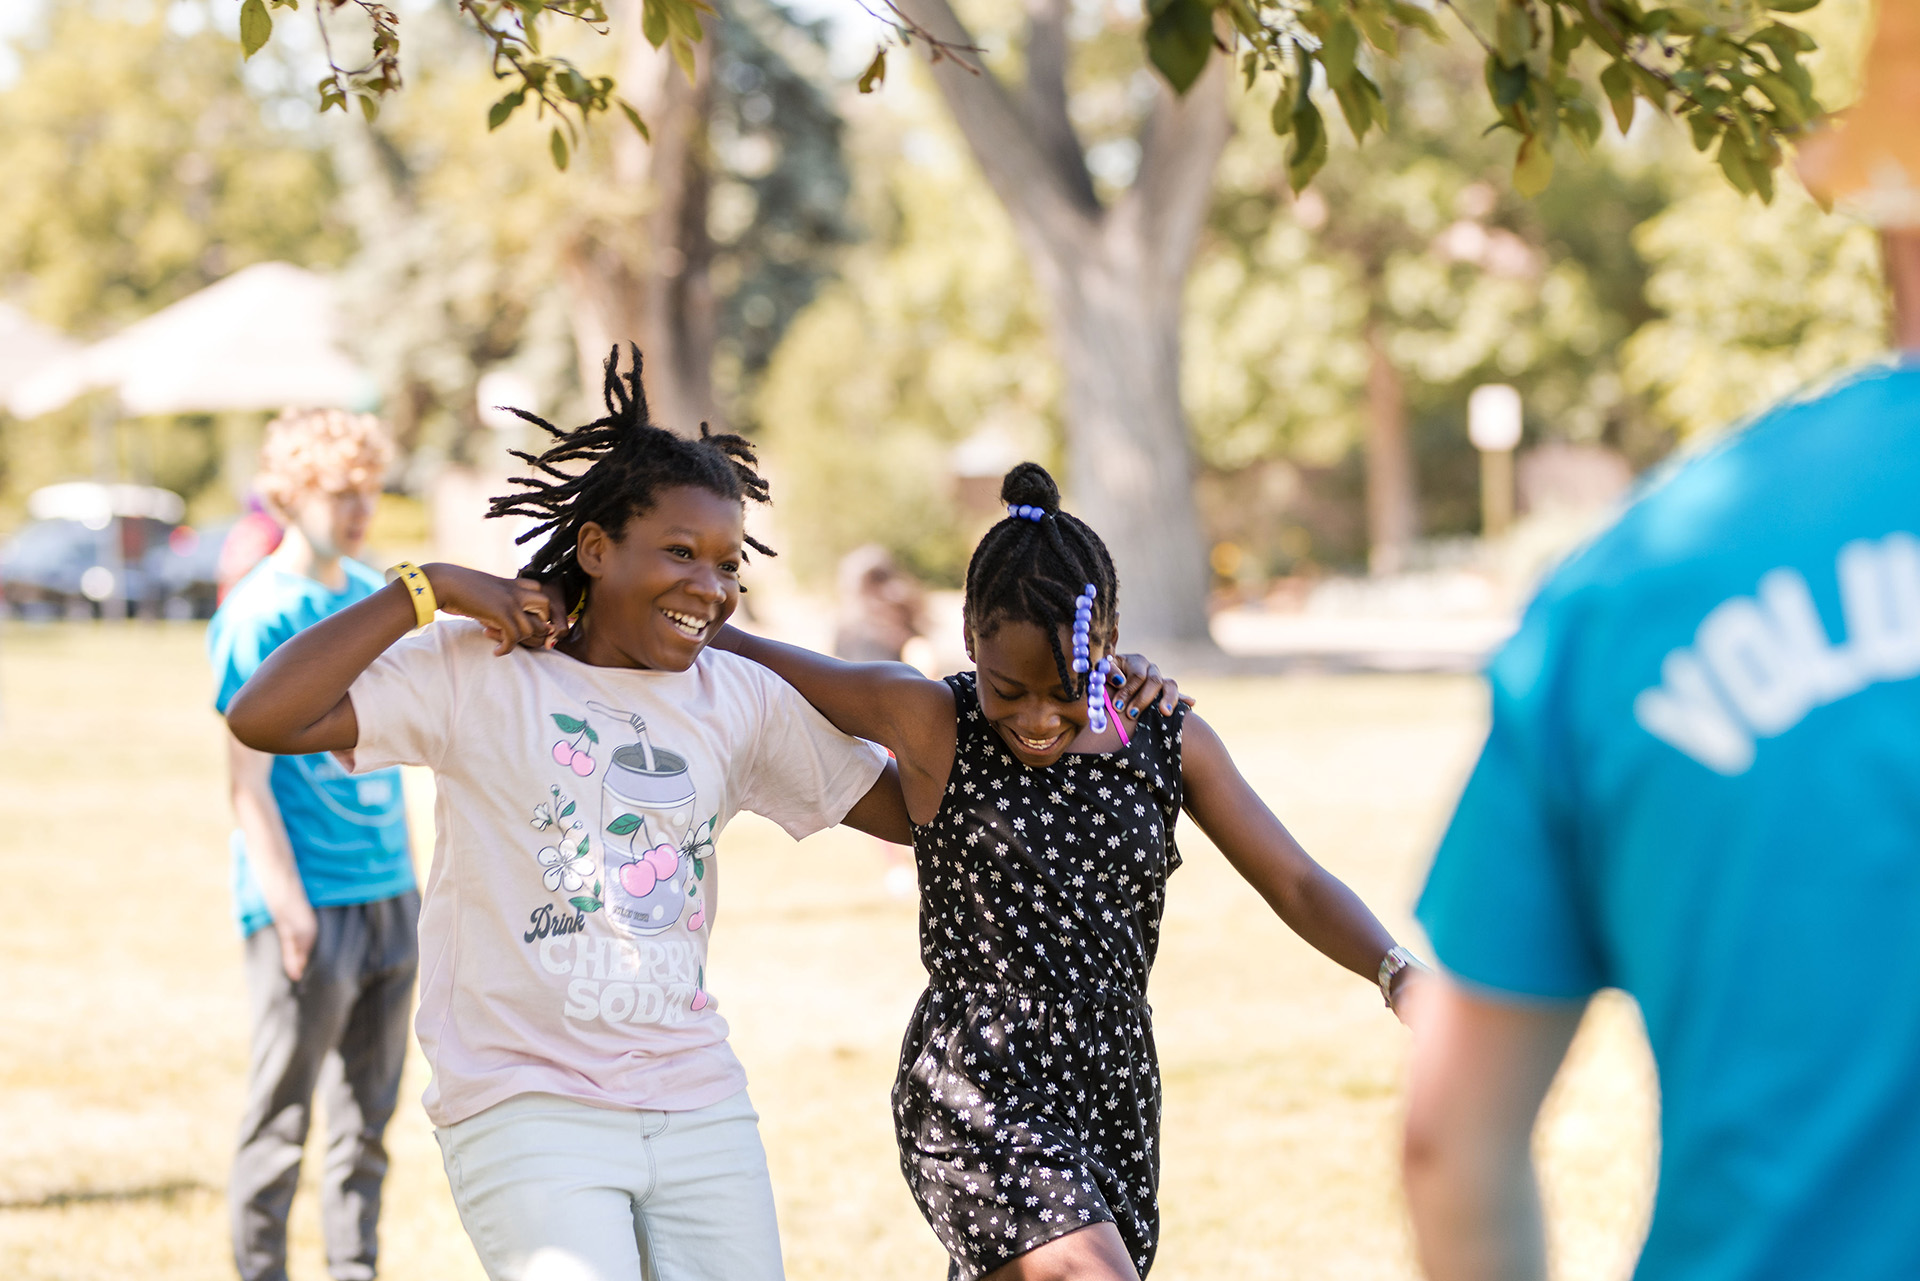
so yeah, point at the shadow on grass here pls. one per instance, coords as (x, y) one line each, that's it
(110, 1196)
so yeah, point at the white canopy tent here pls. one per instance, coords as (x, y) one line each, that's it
(27, 348)
(265, 337)
(94, 504)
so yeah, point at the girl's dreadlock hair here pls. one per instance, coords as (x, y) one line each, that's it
(628, 462)
(1032, 571)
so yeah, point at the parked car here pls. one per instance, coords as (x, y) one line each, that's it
(108, 551)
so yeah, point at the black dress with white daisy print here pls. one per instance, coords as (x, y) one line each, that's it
(1028, 1099)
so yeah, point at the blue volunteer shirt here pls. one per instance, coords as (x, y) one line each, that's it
(348, 832)
(1702, 786)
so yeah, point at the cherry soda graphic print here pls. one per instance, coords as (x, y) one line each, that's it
(646, 877)
(655, 863)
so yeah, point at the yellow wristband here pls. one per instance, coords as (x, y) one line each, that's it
(419, 590)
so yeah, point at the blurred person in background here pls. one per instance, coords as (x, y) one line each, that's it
(879, 607)
(877, 617)
(323, 874)
(253, 537)
(1702, 786)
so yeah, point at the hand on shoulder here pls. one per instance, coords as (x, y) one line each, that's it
(511, 611)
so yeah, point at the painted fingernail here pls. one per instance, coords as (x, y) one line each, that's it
(1134, 712)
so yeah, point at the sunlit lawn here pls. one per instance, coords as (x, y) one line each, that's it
(122, 1029)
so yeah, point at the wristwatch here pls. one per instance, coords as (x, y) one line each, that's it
(1391, 964)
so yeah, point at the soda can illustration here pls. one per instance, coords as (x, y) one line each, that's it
(646, 815)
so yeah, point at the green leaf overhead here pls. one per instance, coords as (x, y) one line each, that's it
(876, 73)
(633, 118)
(1179, 41)
(504, 108)
(256, 26)
(1726, 67)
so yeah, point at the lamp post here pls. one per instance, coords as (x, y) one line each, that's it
(1493, 425)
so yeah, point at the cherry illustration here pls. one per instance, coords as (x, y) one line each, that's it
(569, 751)
(700, 1000)
(654, 866)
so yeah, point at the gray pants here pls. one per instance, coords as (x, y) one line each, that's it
(342, 1028)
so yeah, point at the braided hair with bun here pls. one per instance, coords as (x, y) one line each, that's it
(1029, 570)
(628, 462)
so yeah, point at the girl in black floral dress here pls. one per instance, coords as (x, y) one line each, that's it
(1028, 1100)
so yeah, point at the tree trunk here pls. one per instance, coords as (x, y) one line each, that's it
(1392, 505)
(1131, 471)
(1114, 278)
(645, 278)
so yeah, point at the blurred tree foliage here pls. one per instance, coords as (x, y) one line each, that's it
(1728, 68)
(1755, 302)
(781, 202)
(930, 339)
(1424, 276)
(1598, 305)
(455, 273)
(935, 336)
(466, 234)
(1113, 269)
(161, 177)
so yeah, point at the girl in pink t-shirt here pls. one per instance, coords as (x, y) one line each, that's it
(593, 1121)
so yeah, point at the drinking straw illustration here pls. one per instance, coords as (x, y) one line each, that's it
(639, 727)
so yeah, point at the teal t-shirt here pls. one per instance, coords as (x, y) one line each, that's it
(1702, 786)
(348, 832)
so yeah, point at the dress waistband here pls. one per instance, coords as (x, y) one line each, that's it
(1105, 995)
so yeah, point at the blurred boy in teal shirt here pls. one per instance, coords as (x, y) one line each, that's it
(323, 875)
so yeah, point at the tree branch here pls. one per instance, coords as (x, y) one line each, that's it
(1179, 147)
(1028, 180)
(1045, 102)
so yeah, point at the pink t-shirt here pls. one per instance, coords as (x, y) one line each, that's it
(564, 927)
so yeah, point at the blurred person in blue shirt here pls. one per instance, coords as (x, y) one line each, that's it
(322, 873)
(1702, 787)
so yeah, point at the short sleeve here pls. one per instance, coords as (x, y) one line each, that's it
(805, 774)
(237, 643)
(1503, 904)
(404, 702)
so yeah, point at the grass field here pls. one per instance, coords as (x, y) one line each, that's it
(122, 1029)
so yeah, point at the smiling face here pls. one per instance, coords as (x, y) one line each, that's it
(1021, 696)
(661, 590)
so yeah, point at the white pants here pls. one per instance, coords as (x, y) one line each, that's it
(554, 1190)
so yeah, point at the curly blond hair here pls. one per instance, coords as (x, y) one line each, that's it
(320, 450)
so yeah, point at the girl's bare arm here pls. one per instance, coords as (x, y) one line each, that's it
(1315, 904)
(297, 701)
(891, 704)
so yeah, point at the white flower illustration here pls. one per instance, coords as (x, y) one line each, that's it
(547, 814)
(567, 863)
